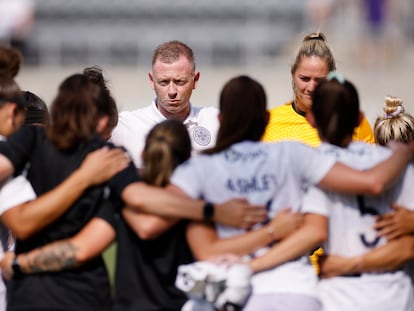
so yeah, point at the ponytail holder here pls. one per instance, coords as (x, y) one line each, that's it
(393, 114)
(336, 75)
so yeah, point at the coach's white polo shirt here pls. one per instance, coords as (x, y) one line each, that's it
(133, 126)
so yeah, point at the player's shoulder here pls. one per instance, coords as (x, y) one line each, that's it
(362, 147)
(357, 154)
(283, 114)
(289, 150)
(290, 145)
(283, 107)
(205, 110)
(135, 113)
(206, 117)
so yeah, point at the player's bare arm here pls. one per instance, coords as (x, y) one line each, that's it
(90, 242)
(388, 257)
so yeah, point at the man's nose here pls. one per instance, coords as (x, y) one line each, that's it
(172, 89)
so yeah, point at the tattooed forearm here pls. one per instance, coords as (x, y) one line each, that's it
(54, 257)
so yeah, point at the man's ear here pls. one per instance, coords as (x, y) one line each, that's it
(196, 79)
(311, 119)
(151, 79)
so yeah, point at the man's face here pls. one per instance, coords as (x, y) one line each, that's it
(173, 84)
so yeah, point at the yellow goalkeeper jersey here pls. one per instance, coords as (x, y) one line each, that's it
(286, 124)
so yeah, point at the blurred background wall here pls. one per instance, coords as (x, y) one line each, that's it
(371, 39)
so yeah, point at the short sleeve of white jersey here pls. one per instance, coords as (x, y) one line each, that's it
(316, 201)
(131, 131)
(313, 165)
(16, 191)
(189, 177)
(116, 136)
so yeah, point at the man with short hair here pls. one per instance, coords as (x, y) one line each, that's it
(173, 79)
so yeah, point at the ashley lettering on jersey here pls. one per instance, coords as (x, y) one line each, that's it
(261, 183)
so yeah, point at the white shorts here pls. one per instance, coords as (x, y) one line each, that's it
(282, 302)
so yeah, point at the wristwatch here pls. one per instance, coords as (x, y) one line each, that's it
(17, 270)
(208, 211)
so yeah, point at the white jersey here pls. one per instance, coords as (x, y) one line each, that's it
(351, 233)
(16, 191)
(133, 126)
(276, 175)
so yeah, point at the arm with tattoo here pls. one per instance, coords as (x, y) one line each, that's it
(65, 254)
(57, 256)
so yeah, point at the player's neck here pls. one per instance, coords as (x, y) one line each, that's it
(297, 109)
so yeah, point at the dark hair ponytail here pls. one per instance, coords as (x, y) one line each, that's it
(336, 110)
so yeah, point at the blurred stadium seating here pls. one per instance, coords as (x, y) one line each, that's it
(127, 31)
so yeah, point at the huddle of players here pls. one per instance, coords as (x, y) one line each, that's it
(329, 102)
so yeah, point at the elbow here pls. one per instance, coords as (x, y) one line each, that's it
(376, 188)
(409, 251)
(315, 230)
(21, 227)
(203, 252)
(135, 196)
(78, 253)
(146, 232)
(206, 251)
(21, 235)
(202, 255)
(145, 228)
(22, 232)
(319, 237)
(80, 258)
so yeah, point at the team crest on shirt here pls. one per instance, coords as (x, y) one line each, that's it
(201, 136)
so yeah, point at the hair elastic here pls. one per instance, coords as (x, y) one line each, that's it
(393, 114)
(336, 75)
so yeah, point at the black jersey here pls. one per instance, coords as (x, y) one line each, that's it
(86, 287)
(146, 270)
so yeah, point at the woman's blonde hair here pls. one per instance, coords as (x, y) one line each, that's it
(394, 124)
(314, 44)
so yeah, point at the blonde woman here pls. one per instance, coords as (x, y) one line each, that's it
(395, 123)
(313, 61)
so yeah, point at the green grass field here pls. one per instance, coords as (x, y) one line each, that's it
(109, 256)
